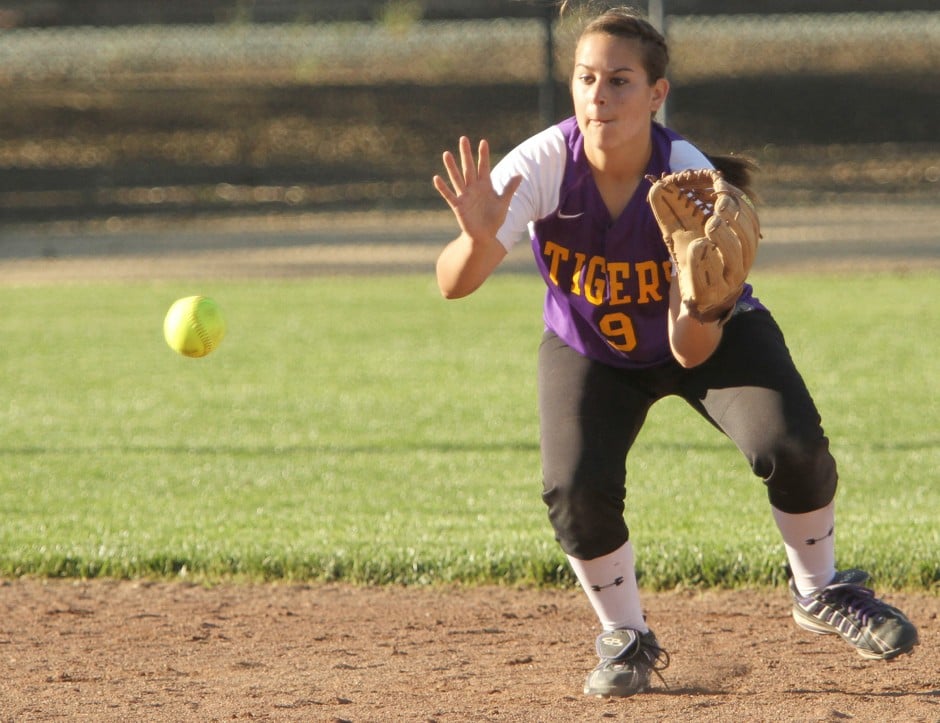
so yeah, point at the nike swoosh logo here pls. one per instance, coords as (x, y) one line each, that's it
(569, 215)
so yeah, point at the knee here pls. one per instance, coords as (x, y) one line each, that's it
(800, 473)
(587, 519)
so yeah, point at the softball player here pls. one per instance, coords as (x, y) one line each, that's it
(617, 339)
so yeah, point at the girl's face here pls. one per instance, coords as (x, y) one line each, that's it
(613, 99)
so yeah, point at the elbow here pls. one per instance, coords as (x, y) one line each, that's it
(448, 285)
(449, 293)
(691, 360)
(687, 362)
(455, 291)
(454, 286)
(461, 269)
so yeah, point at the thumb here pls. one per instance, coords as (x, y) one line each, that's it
(509, 191)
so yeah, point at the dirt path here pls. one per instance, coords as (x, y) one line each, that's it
(134, 651)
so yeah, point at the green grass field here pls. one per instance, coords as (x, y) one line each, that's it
(368, 431)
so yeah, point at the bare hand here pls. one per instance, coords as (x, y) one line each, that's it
(480, 211)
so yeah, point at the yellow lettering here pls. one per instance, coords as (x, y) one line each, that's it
(594, 281)
(594, 276)
(576, 275)
(557, 254)
(647, 276)
(617, 273)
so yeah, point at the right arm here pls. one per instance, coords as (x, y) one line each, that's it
(467, 261)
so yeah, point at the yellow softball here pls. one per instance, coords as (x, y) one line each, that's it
(194, 326)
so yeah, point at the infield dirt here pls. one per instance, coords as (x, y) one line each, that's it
(137, 651)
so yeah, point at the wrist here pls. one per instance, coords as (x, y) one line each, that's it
(725, 317)
(714, 316)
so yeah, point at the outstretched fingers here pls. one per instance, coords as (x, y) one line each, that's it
(483, 159)
(442, 188)
(461, 176)
(483, 173)
(466, 161)
(480, 209)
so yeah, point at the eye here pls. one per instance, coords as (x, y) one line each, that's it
(618, 81)
(586, 79)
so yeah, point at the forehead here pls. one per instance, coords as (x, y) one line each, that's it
(603, 51)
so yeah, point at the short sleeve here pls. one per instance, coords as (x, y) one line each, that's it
(540, 161)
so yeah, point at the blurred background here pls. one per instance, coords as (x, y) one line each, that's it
(141, 108)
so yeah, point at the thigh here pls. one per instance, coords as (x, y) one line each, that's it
(752, 390)
(589, 414)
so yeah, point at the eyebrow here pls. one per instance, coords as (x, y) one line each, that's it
(625, 68)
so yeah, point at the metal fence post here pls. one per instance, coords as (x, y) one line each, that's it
(657, 16)
(547, 88)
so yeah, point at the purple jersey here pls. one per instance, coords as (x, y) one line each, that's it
(607, 279)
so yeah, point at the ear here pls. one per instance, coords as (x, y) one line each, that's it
(660, 90)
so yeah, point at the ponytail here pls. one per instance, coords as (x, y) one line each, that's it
(737, 170)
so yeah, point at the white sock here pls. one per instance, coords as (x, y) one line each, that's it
(809, 539)
(610, 584)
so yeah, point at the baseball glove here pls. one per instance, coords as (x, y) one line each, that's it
(712, 230)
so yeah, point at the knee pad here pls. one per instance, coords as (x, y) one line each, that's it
(800, 474)
(587, 519)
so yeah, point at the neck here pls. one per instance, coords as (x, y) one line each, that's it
(624, 162)
(618, 172)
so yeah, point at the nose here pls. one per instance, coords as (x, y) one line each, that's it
(596, 94)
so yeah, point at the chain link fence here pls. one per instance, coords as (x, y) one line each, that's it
(115, 121)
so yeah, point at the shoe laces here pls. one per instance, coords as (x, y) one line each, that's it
(857, 600)
(656, 657)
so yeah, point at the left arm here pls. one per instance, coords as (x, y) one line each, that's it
(691, 341)
(711, 230)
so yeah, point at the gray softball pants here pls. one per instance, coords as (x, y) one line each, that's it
(591, 414)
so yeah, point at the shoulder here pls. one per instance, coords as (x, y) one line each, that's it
(541, 161)
(681, 154)
(537, 154)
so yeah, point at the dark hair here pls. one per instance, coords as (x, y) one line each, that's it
(629, 24)
(737, 170)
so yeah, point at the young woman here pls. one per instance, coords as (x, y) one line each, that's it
(618, 338)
